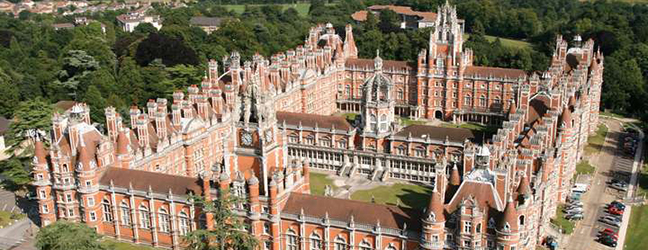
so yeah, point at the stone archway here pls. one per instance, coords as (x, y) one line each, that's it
(438, 115)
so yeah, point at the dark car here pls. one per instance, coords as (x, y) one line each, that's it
(618, 205)
(608, 241)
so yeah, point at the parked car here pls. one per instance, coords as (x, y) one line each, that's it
(618, 205)
(608, 241)
(619, 186)
(574, 210)
(578, 216)
(615, 211)
(576, 203)
(611, 220)
(570, 206)
(610, 232)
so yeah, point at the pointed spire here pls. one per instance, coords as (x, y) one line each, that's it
(435, 207)
(455, 179)
(122, 143)
(509, 218)
(84, 157)
(523, 188)
(512, 107)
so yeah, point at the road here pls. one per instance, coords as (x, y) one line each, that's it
(610, 158)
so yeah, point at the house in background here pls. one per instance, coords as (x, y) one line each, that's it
(410, 19)
(208, 24)
(129, 21)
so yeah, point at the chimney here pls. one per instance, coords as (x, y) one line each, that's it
(151, 107)
(142, 130)
(160, 125)
(111, 123)
(57, 127)
(178, 96)
(193, 93)
(162, 105)
(216, 100)
(187, 111)
(213, 70)
(134, 113)
(203, 106)
(176, 113)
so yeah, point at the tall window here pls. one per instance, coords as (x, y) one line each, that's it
(467, 226)
(401, 94)
(164, 220)
(342, 143)
(315, 242)
(198, 161)
(364, 245)
(482, 101)
(340, 243)
(374, 123)
(383, 123)
(419, 152)
(145, 217)
(125, 214)
(401, 150)
(107, 210)
(310, 139)
(467, 100)
(184, 223)
(291, 239)
(348, 91)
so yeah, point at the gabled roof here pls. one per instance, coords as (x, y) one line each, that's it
(310, 120)
(362, 212)
(159, 183)
(495, 72)
(205, 21)
(369, 64)
(437, 133)
(483, 192)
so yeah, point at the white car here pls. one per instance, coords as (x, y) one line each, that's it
(611, 220)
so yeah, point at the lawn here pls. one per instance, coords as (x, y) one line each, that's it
(118, 245)
(350, 116)
(302, 8)
(560, 221)
(506, 42)
(477, 128)
(610, 114)
(7, 217)
(318, 182)
(408, 121)
(595, 142)
(637, 229)
(413, 196)
(583, 167)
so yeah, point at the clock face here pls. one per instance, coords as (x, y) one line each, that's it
(268, 136)
(246, 139)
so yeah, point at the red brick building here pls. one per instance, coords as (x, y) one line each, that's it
(260, 127)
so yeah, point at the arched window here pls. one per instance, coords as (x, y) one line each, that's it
(401, 94)
(340, 243)
(521, 220)
(391, 245)
(482, 101)
(293, 138)
(342, 143)
(478, 228)
(315, 242)
(125, 214)
(326, 141)
(374, 123)
(364, 245)
(107, 210)
(497, 100)
(383, 123)
(310, 139)
(348, 91)
(467, 100)
(401, 150)
(183, 223)
(291, 240)
(419, 152)
(164, 220)
(145, 217)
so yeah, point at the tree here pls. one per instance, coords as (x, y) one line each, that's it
(97, 104)
(30, 115)
(8, 96)
(145, 28)
(229, 230)
(63, 235)
(388, 20)
(77, 64)
(157, 46)
(15, 173)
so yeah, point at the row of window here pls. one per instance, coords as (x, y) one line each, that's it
(315, 243)
(310, 140)
(145, 217)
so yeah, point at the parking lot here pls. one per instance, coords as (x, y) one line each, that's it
(609, 183)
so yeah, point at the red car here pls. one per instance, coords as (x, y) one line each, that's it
(615, 211)
(609, 232)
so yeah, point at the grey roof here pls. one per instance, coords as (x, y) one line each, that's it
(4, 125)
(206, 21)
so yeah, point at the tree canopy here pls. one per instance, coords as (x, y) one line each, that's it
(63, 235)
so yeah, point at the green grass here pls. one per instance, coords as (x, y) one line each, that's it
(583, 167)
(7, 217)
(318, 182)
(560, 221)
(610, 114)
(408, 121)
(637, 229)
(595, 142)
(413, 196)
(511, 43)
(350, 116)
(476, 127)
(301, 8)
(118, 245)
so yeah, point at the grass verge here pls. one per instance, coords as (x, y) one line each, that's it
(408, 195)
(7, 217)
(118, 245)
(408, 121)
(637, 229)
(583, 167)
(560, 221)
(595, 142)
(318, 182)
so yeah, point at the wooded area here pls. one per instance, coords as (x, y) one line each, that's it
(40, 66)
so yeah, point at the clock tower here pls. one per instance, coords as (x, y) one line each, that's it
(259, 150)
